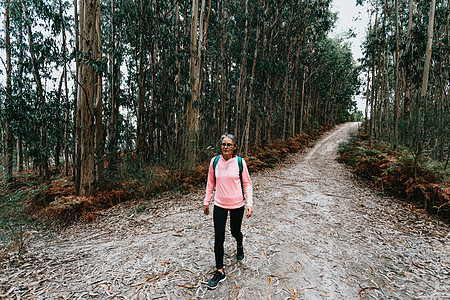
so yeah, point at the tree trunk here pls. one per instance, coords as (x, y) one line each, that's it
(40, 91)
(242, 72)
(178, 86)
(366, 117)
(397, 74)
(300, 128)
(114, 86)
(383, 66)
(426, 68)
(193, 114)
(195, 75)
(250, 94)
(66, 97)
(295, 83)
(261, 122)
(88, 80)
(99, 144)
(66, 134)
(410, 24)
(19, 154)
(223, 63)
(58, 125)
(20, 161)
(372, 92)
(77, 107)
(151, 134)
(286, 91)
(426, 71)
(8, 100)
(141, 88)
(407, 102)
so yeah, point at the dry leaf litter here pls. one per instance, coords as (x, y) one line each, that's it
(316, 233)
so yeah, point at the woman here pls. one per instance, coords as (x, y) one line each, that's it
(224, 174)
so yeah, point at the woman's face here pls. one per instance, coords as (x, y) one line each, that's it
(227, 147)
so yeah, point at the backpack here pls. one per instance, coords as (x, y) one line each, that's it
(216, 161)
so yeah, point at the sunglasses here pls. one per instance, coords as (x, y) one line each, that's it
(227, 145)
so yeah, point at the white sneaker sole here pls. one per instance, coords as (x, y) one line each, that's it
(214, 287)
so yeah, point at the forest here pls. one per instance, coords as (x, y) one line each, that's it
(406, 59)
(89, 83)
(405, 147)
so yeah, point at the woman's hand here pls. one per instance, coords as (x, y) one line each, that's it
(248, 211)
(206, 209)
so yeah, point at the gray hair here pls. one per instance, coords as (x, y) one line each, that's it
(233, 138)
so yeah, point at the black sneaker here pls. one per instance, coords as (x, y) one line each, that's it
(218, 277)
(240, 253)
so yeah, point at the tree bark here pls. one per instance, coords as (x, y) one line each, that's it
(58, 125)
(287, 77)
(426, 71)
(397, 74)
(242, 72)
(99, 144)
(366, 115)
(114, 86)
(66, 98)
(192, 121)
(77, 107)
(8, 100)
(45, 174)
(426, 68)
(372, 92)
(87, 98)
(250, 94)
(198, 45)
(151, 115)
(20, 160)
(223, 63)
(141, 87)
(295, 83)
(302, 101)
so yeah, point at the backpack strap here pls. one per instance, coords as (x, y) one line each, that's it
(240, 173)
(216, 161)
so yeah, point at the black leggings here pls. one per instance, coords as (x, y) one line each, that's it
(220, 220)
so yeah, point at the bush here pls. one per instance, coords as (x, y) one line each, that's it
(421, 181)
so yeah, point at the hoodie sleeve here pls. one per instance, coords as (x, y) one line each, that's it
(248, 188)
(211, 182)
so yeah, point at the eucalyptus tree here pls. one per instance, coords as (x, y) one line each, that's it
(32, 56)
(406, 51)
(89, 96)
(8, 97)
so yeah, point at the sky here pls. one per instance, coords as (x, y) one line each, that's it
(356, 18)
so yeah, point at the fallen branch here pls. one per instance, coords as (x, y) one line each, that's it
(366, 288)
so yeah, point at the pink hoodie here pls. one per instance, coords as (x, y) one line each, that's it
(228, 193)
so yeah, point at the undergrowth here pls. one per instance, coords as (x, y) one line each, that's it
(422, 182)
(28, 203)
(16, 222)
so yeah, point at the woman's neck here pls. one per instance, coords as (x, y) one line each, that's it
(227, 157)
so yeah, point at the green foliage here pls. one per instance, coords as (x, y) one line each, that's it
(140, 208)
(16, 222)
(357, 116)
(140, 178)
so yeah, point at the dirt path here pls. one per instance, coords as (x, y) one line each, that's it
(316, 234)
